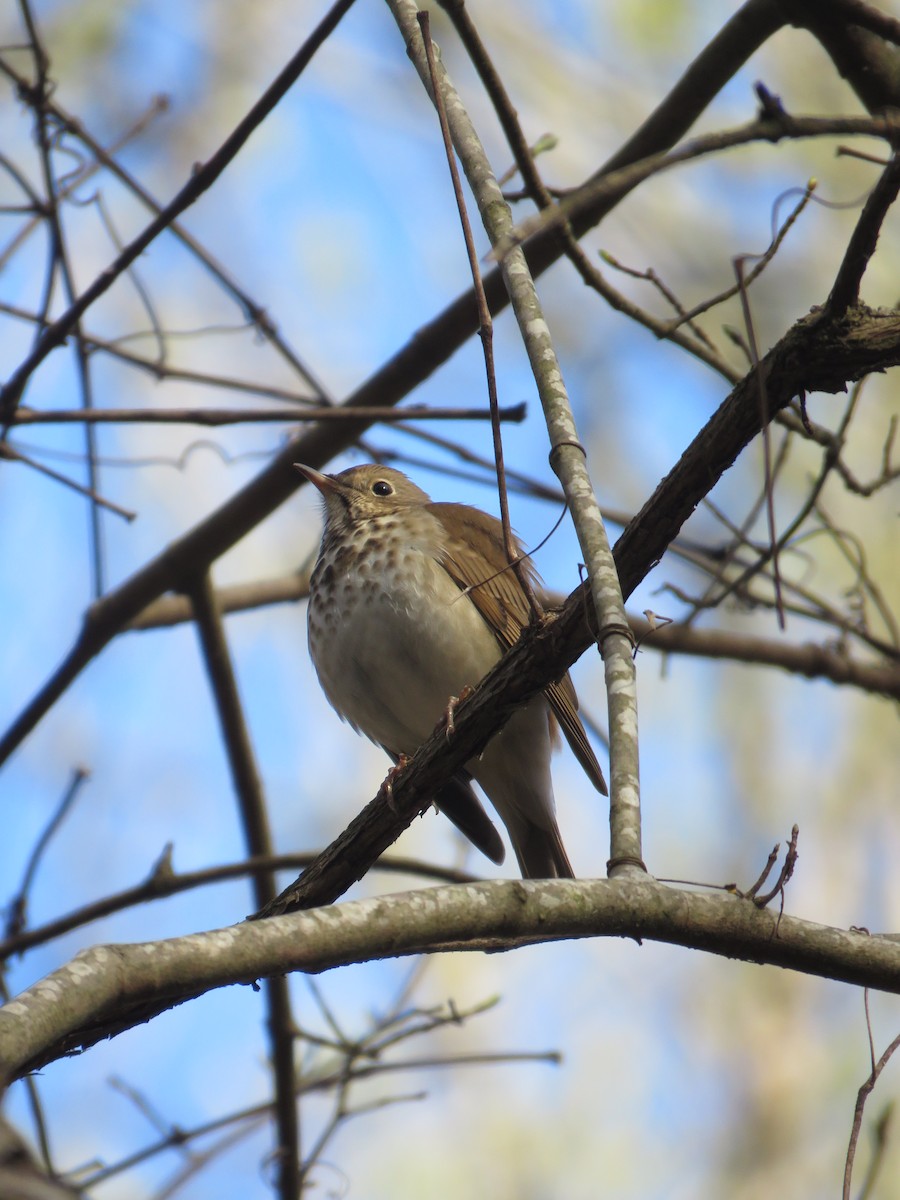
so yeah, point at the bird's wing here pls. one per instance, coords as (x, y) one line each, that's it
(564, 702)
(473, 557)
(497, 594)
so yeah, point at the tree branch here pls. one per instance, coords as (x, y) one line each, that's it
(107, 989)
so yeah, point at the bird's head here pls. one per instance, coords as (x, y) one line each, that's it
(361, 493)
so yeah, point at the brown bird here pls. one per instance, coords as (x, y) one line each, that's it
(409, 603)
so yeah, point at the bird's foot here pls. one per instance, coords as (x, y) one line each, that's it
(387, 787)
(452, 704)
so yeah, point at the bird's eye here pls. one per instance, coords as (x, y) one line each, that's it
(381, 487)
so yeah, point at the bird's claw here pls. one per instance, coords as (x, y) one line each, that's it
(387, 786)
(452, 705)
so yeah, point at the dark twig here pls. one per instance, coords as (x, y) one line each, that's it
(861, 247)
(258, 839)
(13, 455)
(764, 418)
(17, 915)
(173, 1135)
(595, 198)
(163, 881)
(324, 1081)
(60, 256)
(862, 1096)
(157, 105)
(852, 550)
(699, 345)
(787, 870)
(723, 582)
(231, 416)
(761, 260)
(665, 328)
(255, 314)
(750, 894)
(506, 114)
(811, 660)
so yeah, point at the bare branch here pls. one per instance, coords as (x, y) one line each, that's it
(118, 986)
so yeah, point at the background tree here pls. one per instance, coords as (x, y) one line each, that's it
(297, 243)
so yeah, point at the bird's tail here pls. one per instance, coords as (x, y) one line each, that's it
(540, 852)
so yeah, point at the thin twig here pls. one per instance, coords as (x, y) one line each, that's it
(163, 882)
(596, 196)
(234, 416)
(762, 261)
(9, 452)
(764, 419)
(17, 919)
(862, 1096)
(60, 260)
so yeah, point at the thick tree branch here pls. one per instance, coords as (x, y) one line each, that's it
(846, 29)
(861, 246)
(107, 989)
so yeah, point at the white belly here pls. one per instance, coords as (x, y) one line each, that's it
(390, 657)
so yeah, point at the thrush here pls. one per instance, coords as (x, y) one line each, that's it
(410, 602)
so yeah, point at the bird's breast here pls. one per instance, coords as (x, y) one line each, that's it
(391, 635)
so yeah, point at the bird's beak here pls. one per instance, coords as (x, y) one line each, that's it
(325, 483)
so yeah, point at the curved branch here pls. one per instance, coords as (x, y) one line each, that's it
(107, 989)
(854, 36)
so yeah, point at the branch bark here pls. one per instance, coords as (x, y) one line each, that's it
(107, 989)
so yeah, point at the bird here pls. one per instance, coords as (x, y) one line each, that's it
(410, 603)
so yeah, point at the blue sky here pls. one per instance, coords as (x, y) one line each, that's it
(338, 218)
